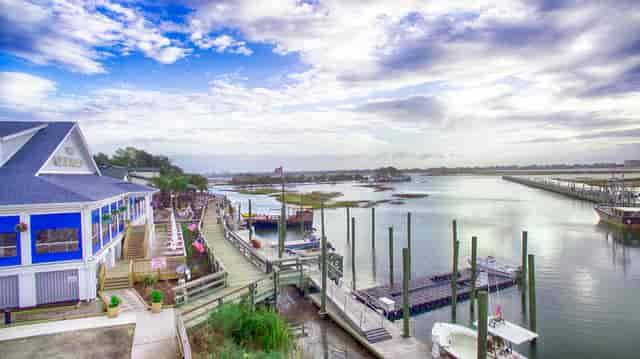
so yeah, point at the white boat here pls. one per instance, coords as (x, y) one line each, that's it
(456, 341)
(490, 265)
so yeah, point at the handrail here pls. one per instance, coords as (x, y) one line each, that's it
(199, 281)
(183, 339)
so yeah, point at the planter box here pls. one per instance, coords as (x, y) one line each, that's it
(113, 312)
(156, 307)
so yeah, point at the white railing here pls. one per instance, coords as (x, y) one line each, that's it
(358, 313)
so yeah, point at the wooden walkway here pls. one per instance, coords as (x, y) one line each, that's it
(240, 271)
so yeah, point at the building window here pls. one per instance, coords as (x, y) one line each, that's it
(56, 237)
(121, 216)
(95, 230)
(105, 225)
(58, 240)
(9, 241)
(8, 244)
(114, 220)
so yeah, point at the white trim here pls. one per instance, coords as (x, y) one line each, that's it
(10, 137)
(68, 173)
(56, 149)
(23, 132)
(86, 149)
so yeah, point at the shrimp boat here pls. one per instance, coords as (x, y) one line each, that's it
(490, 265)
(623, 209)
(268, 221)
(459, 342)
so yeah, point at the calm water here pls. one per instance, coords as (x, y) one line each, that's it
(588, 275)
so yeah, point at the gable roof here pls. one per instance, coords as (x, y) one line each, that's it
(21, 185)
(33, 155)
(8, 128)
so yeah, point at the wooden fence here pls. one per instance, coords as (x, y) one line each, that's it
(183, 338)
(199, 287)
(142, 267)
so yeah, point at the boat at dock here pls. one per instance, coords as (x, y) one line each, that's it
(490, 265)
(457, 341)
(627, 217)
(268, 221)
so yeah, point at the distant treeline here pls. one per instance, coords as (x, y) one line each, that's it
(132, 158)
(269, 180)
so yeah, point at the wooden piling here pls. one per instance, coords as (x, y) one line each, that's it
(391, 257)
(454, 273)
(353, 252)
(532, 294)
(373, 231)
(348, 219)
(474, 276)
(301, 215)
(250, 222)
(523, 273)
(405, 292)
(323, 298)
(283, 224)
(454, 282)
(409, 240)
(482, 324)
(239, 213)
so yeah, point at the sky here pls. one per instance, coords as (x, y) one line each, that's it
(251, 85)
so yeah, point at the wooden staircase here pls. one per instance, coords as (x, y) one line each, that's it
(377, 335)
(135, 243)
(117, 277)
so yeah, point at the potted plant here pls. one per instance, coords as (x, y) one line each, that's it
(156, 301)
(114, 307)
(106, 218)
(148, 281)
(21, 227)
(122, 209)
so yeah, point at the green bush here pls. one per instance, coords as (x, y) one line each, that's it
(262, 328)
(148, 281)
(156, 296)
(114, 302)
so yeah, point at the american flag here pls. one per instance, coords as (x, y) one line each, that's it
(279, 171)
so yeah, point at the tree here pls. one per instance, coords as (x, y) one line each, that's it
(102, 159)
(200, 182)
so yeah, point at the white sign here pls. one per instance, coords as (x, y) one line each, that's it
(69, 159)
(159, 263)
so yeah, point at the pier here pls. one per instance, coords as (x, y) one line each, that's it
(256, 274)
(585, 194)
(427, 293)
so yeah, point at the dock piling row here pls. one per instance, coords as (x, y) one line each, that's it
(391, 257)
(474, 276)
(454, 273)
(482, 324)
(532, 294)
(405, 292)
(353, 252)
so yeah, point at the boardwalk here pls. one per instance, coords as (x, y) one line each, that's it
(241, 271)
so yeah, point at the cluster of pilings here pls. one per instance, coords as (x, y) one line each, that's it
(527, 276)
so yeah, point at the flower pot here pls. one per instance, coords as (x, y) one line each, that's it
(113, 312)
(156, 307)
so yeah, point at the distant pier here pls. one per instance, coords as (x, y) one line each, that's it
(427, 293)
(596, 196)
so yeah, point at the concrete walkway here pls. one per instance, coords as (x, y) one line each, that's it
(155, 336)
(130, 301)
(61, 326)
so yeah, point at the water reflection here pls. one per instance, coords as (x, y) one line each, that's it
(587, 273)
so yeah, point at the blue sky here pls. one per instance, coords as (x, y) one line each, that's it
(248, 85)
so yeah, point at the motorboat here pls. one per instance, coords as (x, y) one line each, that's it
(457, 341)
(490, 265)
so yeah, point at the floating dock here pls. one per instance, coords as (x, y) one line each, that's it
(427, 293)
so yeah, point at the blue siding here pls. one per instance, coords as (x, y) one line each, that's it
(95, 218)
(107, 238)
(8, 224)
(54, 221)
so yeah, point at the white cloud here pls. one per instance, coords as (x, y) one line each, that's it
(70, 32)
(21, 91)
(221, 44)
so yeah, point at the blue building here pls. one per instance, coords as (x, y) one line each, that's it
(60, 219)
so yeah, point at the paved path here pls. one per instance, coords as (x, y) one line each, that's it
(130, 301)
(155, 336)
(61, 326)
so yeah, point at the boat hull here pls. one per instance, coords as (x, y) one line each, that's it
(626, 222)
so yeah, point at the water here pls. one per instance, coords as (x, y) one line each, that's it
(588, 275)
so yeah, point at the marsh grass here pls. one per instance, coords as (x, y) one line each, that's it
(235, 331)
